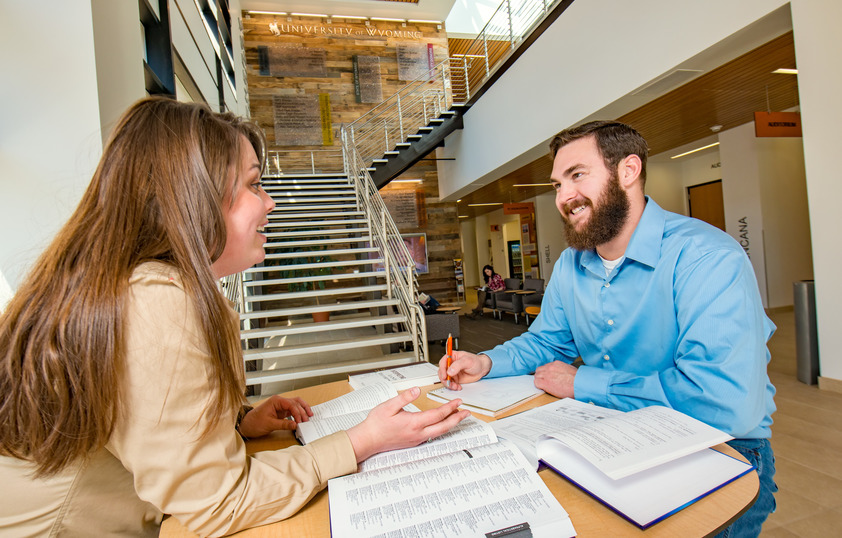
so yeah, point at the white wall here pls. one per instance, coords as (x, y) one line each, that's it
(552, 86)
(817, 39)
(118, 45)
(786, 219)
(551, 240)
(50, 130)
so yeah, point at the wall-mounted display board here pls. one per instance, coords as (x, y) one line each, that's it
(407, 208)
(367, 84)
(292, 61)
(414, 60)
(302, 120)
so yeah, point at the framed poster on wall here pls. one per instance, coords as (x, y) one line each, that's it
(417, 246)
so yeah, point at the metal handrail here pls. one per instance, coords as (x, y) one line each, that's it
(450, 83)
(281, 162)
(399, 266)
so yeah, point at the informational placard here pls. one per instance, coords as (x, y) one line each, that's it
(293, 61)
(414, 60)
(302, 120)
(367, 82)
(407, 207)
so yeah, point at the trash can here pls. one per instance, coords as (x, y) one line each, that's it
(806, 333)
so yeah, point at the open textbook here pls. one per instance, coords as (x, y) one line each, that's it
(491, 397)
(644, 464)
(447, 488)
(345, 411)
(401, 377)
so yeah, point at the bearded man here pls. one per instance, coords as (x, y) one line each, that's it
(662, 309)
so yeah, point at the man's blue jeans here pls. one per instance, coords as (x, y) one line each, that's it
(758, 452)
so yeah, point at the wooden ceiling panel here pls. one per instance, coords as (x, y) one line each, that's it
(728, 96)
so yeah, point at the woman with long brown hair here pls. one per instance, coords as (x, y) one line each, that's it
(121, 373)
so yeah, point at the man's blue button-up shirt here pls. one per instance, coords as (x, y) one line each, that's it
(678, 323)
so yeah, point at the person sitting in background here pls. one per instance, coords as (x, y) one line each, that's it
(121, 370)
(493, 283)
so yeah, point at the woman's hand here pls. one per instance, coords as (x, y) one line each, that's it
(275, 413)
(389, 427)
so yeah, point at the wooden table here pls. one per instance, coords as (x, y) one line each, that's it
(448, 309)
(589, 517)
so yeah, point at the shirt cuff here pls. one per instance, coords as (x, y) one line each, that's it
(501, 365)
(334, 455)
(591, 385)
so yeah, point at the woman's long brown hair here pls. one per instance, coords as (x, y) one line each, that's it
(157, 194)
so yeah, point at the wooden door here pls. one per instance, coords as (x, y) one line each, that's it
(706, 204)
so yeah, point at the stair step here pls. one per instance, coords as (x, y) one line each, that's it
(317, 278)
(320, 241)
(309, 309)
(306, 186)
(335, 345)
(287, 374)
(391, 153)
(330, 252)
(447, 113)
(415, 137)
(300, 328)
(297, 266)
(317, 215)
(286, 193)
(305, 232)
(300, 179)
(426, 128)
(332, 292)
(301, 207)
(296, 199)
(380, 161)
(310, 223)
(437, 120)
(403, 145)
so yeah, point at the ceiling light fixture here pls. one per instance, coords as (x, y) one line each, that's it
(694, 150)
(464, 216)
(268, 12)
(785, 71)
(354, 17)
(491, 203)
(406, 181)
(309, 15)
(417, 21)
(384, 19)
(532, 185)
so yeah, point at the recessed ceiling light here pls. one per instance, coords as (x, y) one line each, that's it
(355, 17)
(491, 203)
(406, 181)
(464, 217)
(532, 185)
(784, 71)
(384, 19)
(694, 150)
(423, 22)
(308, 15)
(269, 12)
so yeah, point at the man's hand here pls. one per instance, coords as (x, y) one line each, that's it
(275, 413)
(464, 368)
(389, 427)
(556, 378)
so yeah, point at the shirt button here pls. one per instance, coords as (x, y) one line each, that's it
(607, 284)
(610, 322)
(606, 357)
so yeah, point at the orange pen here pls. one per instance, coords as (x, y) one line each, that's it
(449, 356)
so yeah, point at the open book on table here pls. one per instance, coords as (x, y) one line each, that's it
(491, 397)
(464, 483)
(401, 377)
(644, 464)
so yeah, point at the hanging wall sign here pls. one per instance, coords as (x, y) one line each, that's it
(770, 124)
(523, 208)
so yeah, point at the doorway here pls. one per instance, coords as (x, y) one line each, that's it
(705, 203)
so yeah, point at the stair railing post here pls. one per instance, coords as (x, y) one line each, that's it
(511, 30)
(485, 53)
(467, 86)
(386, 258)
(400, 119)
(385, 136)
(312, 162)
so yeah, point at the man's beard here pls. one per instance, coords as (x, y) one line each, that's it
(607, 218)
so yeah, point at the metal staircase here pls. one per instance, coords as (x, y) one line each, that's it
(325, 255)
